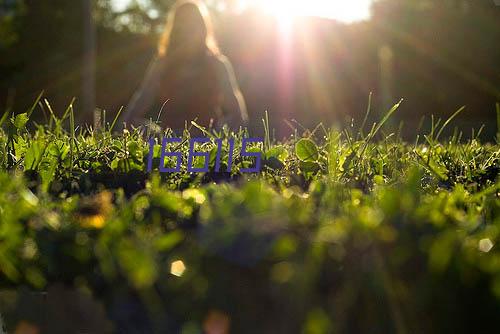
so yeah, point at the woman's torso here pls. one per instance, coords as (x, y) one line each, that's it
(192, 90)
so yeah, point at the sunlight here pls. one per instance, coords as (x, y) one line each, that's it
(286, 10)
(120, 5)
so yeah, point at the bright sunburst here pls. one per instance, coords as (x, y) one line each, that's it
(287, 10)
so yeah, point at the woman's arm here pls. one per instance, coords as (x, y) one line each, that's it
(234, 107)
(144, 97)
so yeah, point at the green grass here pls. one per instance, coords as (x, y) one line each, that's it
(341, 231)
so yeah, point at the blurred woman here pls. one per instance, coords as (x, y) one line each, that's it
(189, 78)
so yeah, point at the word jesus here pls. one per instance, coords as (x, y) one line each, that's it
(206, 155)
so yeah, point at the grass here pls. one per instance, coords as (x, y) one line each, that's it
(340, 232)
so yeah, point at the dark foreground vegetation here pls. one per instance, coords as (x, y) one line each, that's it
(350, 231)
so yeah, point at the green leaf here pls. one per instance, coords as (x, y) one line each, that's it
(309, 166)
(279, 152)
(306, 150)
(33, 156)
(47, 170)
(20, 120)
(58, 149)
(274, 163)
(169, 241)
(116, 164)
(133, 148)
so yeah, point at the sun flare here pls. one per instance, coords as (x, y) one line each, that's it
(286, 10)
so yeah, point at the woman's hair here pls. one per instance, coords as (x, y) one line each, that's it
(167, 39)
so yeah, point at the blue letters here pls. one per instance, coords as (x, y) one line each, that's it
(205, 155)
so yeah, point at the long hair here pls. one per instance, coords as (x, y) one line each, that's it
(166, 40)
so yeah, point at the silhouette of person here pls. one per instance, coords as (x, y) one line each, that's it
(189, 78)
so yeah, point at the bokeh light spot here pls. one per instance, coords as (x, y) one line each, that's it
(177, 268)
(485, 245)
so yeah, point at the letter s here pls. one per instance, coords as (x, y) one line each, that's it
(257, 155)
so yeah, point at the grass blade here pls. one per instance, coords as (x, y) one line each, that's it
(116, 119)
(33, 106)
(448, 122)
(368, 110)
(5, 116)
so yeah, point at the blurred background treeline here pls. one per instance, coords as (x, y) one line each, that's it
(436, 54)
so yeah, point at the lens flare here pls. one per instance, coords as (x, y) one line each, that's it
(286, 10)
